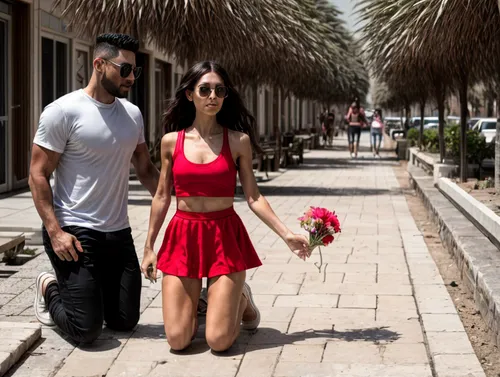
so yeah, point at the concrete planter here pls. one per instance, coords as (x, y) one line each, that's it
(475, 254)
(476, 211)
(401, 148)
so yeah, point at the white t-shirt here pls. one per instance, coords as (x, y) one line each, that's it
(96, 142)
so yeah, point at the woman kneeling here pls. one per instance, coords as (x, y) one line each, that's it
(209, 139)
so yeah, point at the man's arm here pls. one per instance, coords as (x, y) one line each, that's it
(43, 163)
(147, 173)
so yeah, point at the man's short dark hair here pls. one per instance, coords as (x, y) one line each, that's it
(109, 45)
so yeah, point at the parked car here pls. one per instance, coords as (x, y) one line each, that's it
(452, 119)
(431, 126)
(471, 122)
(487, 127)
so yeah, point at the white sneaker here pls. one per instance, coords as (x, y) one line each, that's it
(41, 310)
(253, 324)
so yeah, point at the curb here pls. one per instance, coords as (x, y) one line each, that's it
(483, 217)
(15, 340)
(478, 260)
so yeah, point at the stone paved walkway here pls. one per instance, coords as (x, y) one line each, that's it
(381, 308)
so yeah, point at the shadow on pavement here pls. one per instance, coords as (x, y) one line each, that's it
(320, 191)
(266, 337)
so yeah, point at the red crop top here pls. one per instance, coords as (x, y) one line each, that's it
(214, 179)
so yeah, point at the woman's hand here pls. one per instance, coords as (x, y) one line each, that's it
(298, 244)
(148, 265)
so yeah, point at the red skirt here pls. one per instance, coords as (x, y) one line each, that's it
(209, 244)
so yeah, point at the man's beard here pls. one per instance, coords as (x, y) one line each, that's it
(111, 88)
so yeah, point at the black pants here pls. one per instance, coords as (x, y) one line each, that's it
(103, 285)
(353, 134)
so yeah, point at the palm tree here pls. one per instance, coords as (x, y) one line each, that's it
(450, 43)
(273, 42)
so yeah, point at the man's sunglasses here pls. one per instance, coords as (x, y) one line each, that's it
(220, 91)
(126, 69)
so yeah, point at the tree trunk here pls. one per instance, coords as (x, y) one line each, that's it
(407, 116)
(464, 165)
(422, 116)
(440, 98)
(497, 147)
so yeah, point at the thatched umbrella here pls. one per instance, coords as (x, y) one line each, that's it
(429, 39)
(270, 41)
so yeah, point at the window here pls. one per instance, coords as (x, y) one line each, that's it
(489, 126)
(50, 21)
(54, 70)
(163, 81)
(5, 7)
(81, 69)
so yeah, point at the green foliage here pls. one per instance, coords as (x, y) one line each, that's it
(431, 140)
(486, 184)
(412, 137)
(477, 148)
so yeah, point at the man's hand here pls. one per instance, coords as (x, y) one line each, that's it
(64, 244)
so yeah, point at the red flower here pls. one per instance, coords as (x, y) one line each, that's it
(329, 218)
(327, 239)
(335, 223)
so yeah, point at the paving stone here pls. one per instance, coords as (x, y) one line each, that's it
(378, 332)
(307, 301)
(359, 277)
(291, 278)
(394, 308)
(442, 322)
(85, 367)
(356, 289)
(15, 340)
(273, 289)
(130, 369)
(333, 315)
(15, 285)
(393, 279)
(6, 298)
(277, 314)
(312, 353)
(358, 301)
(10, 310)
(258, 365)
(265, 301)
(267, 277)
(371, 353)
(449, 343)
(436, 306)
(431, 291)
(324, 278)
(294, 369)
(192, 368)
(458, 366)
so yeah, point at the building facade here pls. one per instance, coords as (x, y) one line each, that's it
(41, 60)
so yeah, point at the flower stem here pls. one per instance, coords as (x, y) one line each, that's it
(320, 260)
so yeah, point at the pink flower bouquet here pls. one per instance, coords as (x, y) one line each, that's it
(322, 225)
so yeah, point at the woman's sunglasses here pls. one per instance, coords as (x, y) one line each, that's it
(220, 91)
(126, 69)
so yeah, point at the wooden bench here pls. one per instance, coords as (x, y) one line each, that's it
(296, 150)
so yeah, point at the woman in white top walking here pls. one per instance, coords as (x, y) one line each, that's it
(377, 130)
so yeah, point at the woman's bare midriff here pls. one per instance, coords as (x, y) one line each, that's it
(204, 204)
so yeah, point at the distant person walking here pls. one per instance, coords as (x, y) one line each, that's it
(376, 132)
(356, 121)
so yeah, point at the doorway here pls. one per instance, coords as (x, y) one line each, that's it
(4, 102)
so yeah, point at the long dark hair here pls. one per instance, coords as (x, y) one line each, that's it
(181, 112)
